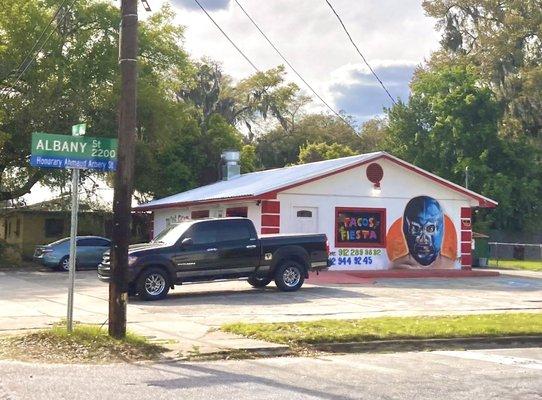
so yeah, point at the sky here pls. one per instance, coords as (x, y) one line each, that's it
(394, 35)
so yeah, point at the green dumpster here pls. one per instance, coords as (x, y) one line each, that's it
(480, 254)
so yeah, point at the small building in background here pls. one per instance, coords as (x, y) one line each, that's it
(378, 211)
(48, 221)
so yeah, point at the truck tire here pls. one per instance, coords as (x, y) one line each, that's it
(289, 276)
(153, 284)
(259, 282)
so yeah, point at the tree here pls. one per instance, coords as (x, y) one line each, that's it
(451, 122)
(504, 40)
(313, 152)
(262, 96)
(249, 161)
(277, 147)
(75, 78)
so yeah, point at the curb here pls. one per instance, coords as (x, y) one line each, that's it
(379, 346)
(471, 343)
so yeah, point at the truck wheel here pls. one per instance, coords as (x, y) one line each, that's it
(259, 282)
(289, 276)
(153, 284)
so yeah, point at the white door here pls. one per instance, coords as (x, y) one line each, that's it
(306, 219)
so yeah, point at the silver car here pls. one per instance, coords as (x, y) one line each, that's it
(90, 251)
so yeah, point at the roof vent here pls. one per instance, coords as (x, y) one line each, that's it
(230, 164)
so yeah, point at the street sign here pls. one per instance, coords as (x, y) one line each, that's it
(79, 129)
(76, 152)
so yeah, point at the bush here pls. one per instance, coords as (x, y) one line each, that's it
(10, 255)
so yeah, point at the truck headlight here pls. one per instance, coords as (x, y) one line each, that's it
(132, 260)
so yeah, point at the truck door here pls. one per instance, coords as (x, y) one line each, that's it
(238, 246)
(200, 258)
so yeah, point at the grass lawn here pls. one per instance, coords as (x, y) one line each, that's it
(531, 265)
(370, 329)
(87, 343)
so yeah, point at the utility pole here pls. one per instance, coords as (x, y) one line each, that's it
(122, 199)
(467, 177)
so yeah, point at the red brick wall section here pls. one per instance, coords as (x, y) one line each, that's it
(466, 237)
(270, 216)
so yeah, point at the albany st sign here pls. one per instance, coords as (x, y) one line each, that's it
(74, 152)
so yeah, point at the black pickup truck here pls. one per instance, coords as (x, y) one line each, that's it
(214, 249)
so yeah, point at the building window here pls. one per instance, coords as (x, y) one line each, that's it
(360, 227)
(54, 227)
(199, 214)
(237, 212)
(304, 214)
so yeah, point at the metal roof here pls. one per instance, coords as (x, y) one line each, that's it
(259, 183)
(256, 183)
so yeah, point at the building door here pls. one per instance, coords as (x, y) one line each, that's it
(306, 219)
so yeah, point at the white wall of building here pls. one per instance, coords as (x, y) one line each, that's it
(352, 189)
(164, 217)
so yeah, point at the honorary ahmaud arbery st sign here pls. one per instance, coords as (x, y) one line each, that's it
(63, 151)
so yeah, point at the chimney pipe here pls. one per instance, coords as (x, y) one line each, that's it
(230, 164)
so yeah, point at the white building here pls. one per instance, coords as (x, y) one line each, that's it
(378, 212)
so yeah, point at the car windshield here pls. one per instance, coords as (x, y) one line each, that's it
(172, 233)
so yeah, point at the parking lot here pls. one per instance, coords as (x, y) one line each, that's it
(33, 299)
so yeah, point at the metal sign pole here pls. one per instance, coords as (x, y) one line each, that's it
(73, 249)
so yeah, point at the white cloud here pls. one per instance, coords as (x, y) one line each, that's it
(356, 91)
(388, 32)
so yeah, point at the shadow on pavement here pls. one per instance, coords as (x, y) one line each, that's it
(267, 296)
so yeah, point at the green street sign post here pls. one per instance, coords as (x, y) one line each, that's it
(79, 130)
(74, 152)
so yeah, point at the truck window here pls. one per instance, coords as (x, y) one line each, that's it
(204, 233)
(235, 230)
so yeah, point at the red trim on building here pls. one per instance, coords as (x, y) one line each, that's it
(270, 207)
(381, 211)
(199, 214)
(237, 212)
(198, 202)
(270, 220)
(267, 231)
(466, 238)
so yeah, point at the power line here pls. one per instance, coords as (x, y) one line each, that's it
(290, 65)
(36, 43)
(359, 52)
(227, 37)
(44, 43)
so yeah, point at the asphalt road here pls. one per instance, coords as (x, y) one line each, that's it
(487, 374)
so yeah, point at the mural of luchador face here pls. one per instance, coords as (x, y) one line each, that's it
(423, 227)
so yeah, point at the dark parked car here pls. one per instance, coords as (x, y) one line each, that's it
(90, 250)
(226, 248)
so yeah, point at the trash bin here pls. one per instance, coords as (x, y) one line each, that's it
(480, 254)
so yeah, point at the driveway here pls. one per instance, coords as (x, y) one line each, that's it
(34, 299)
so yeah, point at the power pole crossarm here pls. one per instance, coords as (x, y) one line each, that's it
(122, 200)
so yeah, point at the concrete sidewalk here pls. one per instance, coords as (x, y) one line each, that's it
(188, 319)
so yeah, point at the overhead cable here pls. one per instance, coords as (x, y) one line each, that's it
(359, 52)
(289, 64)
